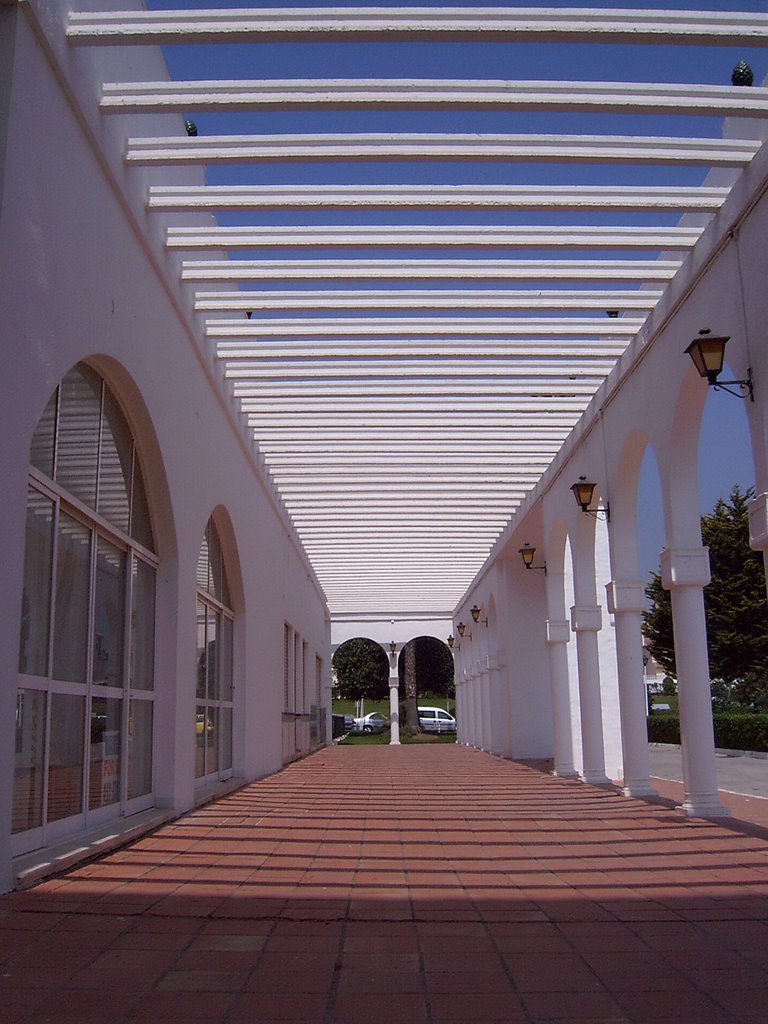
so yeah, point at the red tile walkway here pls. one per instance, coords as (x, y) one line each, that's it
(413, 884)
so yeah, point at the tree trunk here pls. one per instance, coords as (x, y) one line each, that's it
(411, 707)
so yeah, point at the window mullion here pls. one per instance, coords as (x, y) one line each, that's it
(89, 671)
(55, 454)
(99, 446)
(46, 760)
(52, 590)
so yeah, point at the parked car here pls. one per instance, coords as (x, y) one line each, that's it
(373, 722)
(436, 720)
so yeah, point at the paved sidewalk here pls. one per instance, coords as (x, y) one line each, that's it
(409, 884)
(742, 781)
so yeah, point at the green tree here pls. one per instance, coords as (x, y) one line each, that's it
(426, 665)
(433, 666)
(735, 603)
(362, 670)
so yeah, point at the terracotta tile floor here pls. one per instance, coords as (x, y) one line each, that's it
(408, 884)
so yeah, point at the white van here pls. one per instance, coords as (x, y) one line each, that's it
(436, 720)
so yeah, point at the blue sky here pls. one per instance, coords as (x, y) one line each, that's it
(724, 433)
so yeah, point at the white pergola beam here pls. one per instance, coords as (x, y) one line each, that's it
(440, 236)
(374, 464)
(387, 391)
(613, 25)
(253, 354)
(351, 147)
(498, 421)
(443, 270)
(542, 197)
(258, 302)
(418, 94)
(453, 374)
(416, 327)
(498, 452)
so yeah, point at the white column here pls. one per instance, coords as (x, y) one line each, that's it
(394, 702)
(586, 621)
(476, 716)
(558, 635)
(466, 713)
(459, 712)
(685, 573)
(394, 714)
(485, 689)
(625, 603)
(499, 710)
(758, 527)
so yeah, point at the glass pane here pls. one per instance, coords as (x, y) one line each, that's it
(225, 738)
(143, 626)
(201, 651)
(212, 741)
(70, 634)
(201, 729)
(212, 654)
(202, 566)
(65, 765)
(41, 449)
(225, 660)
(140, 748)
(115, 465)
(108, 614)
(77, 446)
(141, 525)
(215, 578)
(104, 759)
(29, 760)
(36, 595)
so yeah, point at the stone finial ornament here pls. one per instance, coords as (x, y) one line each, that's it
(742, 74)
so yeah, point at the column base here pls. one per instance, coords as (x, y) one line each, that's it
(596, 779)
(702, 809)
(394, 742)
(639, 789)
(565, 773)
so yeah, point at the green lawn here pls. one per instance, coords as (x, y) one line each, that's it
(662, 698)
(382, 738)
(429, 700)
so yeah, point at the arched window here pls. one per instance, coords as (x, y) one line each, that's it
(213, 720)
(84, 709)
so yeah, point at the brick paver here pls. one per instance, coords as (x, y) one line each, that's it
(418, 884)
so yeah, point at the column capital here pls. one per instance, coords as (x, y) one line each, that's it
(758, 522)
(558, 631)
(625, 596)
(685, 567)
(586, 618)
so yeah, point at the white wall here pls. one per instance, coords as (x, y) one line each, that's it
(80, 282)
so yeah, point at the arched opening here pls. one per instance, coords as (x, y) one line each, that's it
(725, 448)
(85, 701)
(214, 683)
(425, 670)
(360, 681)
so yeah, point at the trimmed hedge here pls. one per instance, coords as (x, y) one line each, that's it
(732, 731)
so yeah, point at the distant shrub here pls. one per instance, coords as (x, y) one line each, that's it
(732, 731)
(664, 728)
(741, 732)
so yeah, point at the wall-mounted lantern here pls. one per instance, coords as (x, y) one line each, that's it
(708, 356)
(583, 490)
(527, 551)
